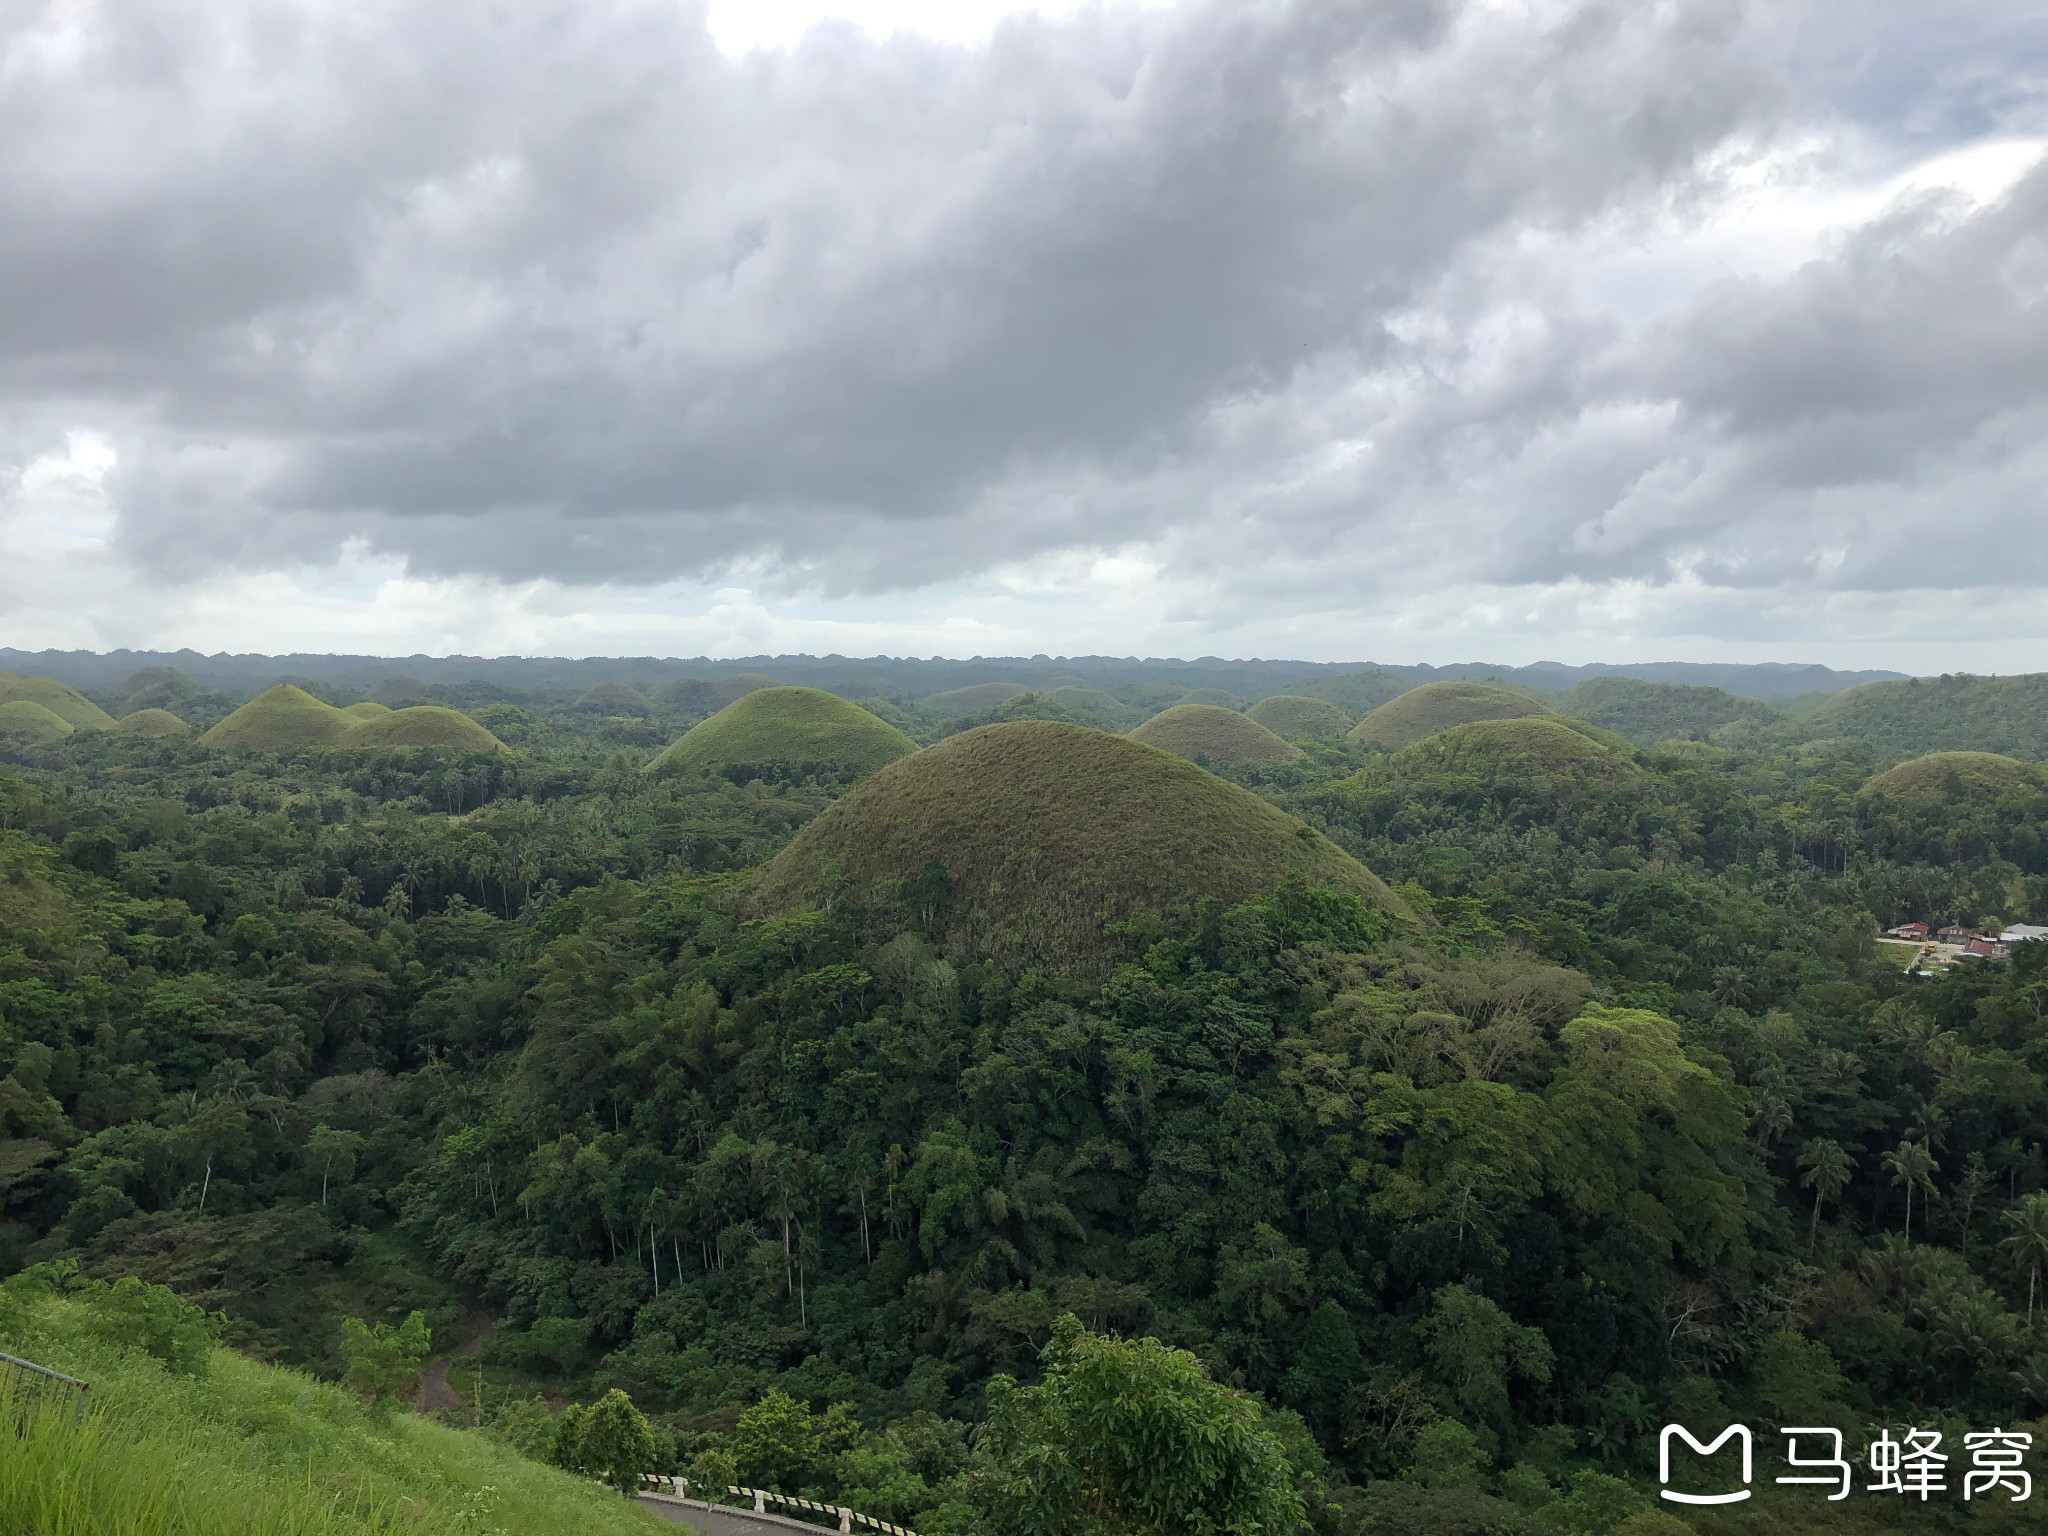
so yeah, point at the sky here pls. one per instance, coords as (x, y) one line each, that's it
(1401, 330)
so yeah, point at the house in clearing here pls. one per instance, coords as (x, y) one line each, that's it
(1908, 931)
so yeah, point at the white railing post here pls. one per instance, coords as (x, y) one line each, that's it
(760, 1502)
(845, 1521)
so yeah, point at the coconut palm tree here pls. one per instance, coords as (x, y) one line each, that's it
(1827, 1174)
(2028, 1245)
(1913, 1166)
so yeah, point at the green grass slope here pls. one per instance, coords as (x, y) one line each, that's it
(248, 1450)
(1048, 832)
(1939, 714)
(1954, 775)
(423, 725)
(151, 722)
(281, 719)
(1530, 747)
(1288, 715)
(1647, 712)
(22, 720)
(369, 709)
(1422, 712)
(726, 689)
(1210, 733)
(1092, 701)
(790, 728)
(614, 699)
(66, 703)
(1216, 696)
(974, 699)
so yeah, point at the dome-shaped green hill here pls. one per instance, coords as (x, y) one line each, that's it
(369, 709)
(1944, 775)
(726, 689)
(974, 699)
(1216, 696)
(1089, 701)
(614, 699)
(791, 728)
(1048, 832)
(1534, 746)
(423, 725)
(151, 722)
(25, 721)
(60, 699)
(1209, 733)
(1422, 712)
(1289, 715)
(281, 719)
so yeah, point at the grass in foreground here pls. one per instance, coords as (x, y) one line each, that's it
(246, 1448)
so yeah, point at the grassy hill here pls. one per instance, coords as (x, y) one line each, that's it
(1938, 714)
(1952, 775)
(1047, 832)
(22, 720)
(1209, 733)
(793, 728)
(1288, 715)
(614, 699)
(1647, 712)
(974, 699)
(1094, 704)
(423, 725)
(725, 690)
(281, 719)
(369, 709)
(1219, 697)
(1356, 693)
(66, 703)
(243, 1448)
(1422, 712)
(151, 722)
(1534, 746)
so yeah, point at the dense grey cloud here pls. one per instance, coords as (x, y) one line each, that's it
(1294, 297)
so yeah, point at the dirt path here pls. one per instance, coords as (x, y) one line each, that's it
(435, 1391)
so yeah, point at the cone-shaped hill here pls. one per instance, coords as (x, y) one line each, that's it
(802, 729)
(151, 722)
(1215, 696)
(423, 725)
(1954, 775)
(61, 700)
(1289, 715)
(614, 699)
(739, 685)
(1535, 746)
(1049, 831)
(24, 720)
(1422, 712)
(1209, 733)
(974, 699)
(281, 719)
(369, 709)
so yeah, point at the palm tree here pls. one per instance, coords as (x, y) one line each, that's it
(1827, 1174)
(2028, 1222)
(1912, 1164)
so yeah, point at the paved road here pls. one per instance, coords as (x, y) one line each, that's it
(718, 1520)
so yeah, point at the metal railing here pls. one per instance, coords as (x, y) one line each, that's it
(24, 1385)
(763, 1497)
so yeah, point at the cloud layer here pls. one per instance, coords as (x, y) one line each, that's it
(1684, 323)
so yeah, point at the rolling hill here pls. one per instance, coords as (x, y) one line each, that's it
(1049, 831)
(24, 720)
(1422, 712)
(1647, 712)
(1953, 775)
(1289, 715)
(281, 719)
(1219, 697)
(974, 699)
(1094, 703)
(151, 722)
(1209, 733)
(614, 699)
(423, 725)
(795, 729)
(369, 709)
(725, 690)
(1938, 714)
(1531, 746)
(66, 703)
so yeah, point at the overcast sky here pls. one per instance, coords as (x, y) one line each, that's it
(1410, 330)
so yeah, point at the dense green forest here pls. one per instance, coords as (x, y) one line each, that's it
(1614, 1112)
